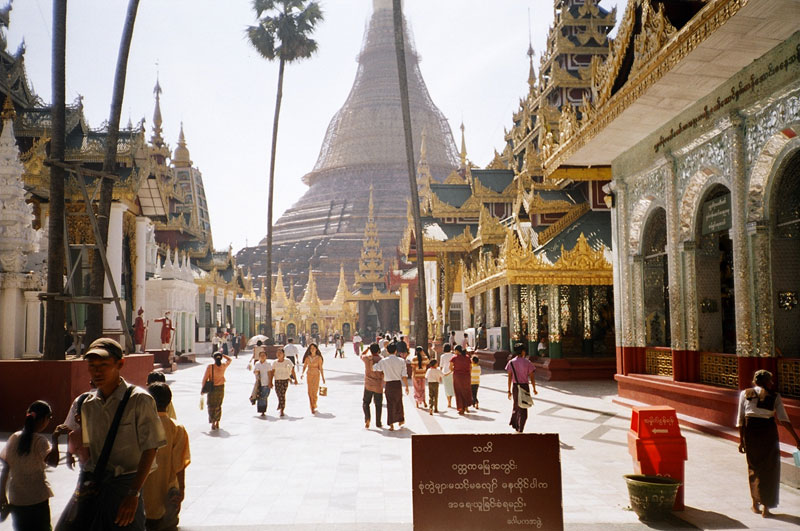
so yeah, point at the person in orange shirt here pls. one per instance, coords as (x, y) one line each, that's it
(163, 490)
(215, 373)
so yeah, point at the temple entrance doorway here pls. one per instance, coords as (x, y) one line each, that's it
(715, 295)
(346, 331)
(291, 330)
(785, 259)
(656, 280)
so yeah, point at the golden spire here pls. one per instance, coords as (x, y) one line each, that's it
(310, 296)
(341, 290)
(424, 174)
(370, 265)
(8, 109)
(463, 148)
(279, 294)
(157, 139)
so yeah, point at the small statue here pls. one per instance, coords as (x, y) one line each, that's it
(166, 331)
(139, 331)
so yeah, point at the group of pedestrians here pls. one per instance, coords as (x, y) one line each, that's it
(268, 374)
(132, 457)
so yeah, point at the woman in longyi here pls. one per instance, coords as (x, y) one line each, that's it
(760, 411)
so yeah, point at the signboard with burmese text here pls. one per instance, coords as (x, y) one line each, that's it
(490, 481)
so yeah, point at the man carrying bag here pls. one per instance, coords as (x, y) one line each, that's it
(122, 431)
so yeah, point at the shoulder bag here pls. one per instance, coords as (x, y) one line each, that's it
(82, 508)
(524, 398)
(208, 385)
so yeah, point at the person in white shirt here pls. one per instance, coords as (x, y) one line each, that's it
(444, 362)
(760, 411)
(282, 373)
(434, 376)
(357, 344)
(292, 354)
(263, 371)
(394, 370)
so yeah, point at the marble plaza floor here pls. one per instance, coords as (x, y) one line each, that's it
(305, 472)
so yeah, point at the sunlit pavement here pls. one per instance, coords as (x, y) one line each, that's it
(325, 471)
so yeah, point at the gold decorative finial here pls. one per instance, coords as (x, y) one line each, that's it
(8, 109)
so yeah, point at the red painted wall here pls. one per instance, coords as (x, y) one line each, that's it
(56, 382)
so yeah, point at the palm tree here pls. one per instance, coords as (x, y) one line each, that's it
(284, 33)
(94, 324)
(54, 315)
(420, 311)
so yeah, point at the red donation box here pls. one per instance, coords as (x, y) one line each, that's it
(657, 446)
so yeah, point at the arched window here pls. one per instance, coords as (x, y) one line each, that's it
(716, 317)
(785, 250)
(656, 280)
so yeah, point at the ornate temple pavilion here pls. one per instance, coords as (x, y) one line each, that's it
(363, 147)
(527, 258)
(697, 115)
(160, 247)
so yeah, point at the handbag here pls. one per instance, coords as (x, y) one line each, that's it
(82, 508)
(208, 385)
(524, 398)
(323, 390)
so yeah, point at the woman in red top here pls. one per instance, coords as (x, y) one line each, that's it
(461, 366)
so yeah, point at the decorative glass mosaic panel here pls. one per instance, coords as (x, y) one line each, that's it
(658, 362)
(719, 369)
(789, 377)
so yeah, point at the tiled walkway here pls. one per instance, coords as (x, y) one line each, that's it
(305, 472)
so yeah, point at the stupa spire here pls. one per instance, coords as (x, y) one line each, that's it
(310, 294)
(157, 139)
(463, 148)
(279, 294)
(370, 265)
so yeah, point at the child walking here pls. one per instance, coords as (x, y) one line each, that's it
(434, 377)
(475, 379)
(23, 486)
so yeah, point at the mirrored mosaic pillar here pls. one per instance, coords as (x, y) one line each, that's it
(689, 255)
(554, 314)
(759, 234)
(677, 335)
(637, 314)
(741, 264)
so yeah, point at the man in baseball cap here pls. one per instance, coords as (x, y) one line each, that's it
(134, 449)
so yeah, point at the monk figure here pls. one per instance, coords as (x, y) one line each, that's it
(166, 330)
(138, 331)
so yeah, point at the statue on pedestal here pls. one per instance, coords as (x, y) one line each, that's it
(139, 331)
(166, 331)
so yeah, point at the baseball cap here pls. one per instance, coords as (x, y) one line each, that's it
(105, 347)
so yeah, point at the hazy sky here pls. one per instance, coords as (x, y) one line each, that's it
(473, 61)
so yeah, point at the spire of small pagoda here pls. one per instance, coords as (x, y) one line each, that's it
(424, 174)
(279, 294)
(180, 157)
(310, 294)
(341, 291)
(463, 148)
(157, 139)
(370, 265)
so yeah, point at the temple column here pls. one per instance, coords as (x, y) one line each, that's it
(33, 325)
(504, 308)
(586, 312)
(12, 326)
(111, 323)
(140, 267)
(689, 255)
(742, 291)
(677, 336)
(759, 234)
(638, 317)
(405, 314)
(554, 321)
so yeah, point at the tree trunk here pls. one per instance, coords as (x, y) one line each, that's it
(420, 310)
(54, 315)
(270, 196)
(94, 324)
